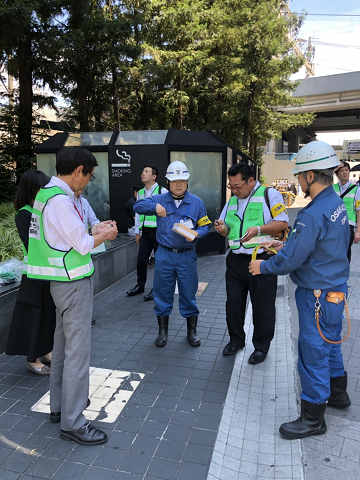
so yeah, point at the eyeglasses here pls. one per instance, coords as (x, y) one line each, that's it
(235, 187)
(92, 177)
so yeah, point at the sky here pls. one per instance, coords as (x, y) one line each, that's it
(336, 40)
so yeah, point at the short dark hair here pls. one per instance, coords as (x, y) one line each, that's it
(343, 164)
(69, 158)
(30, 183)
(155, 170)
(246, 171)
(324, 177)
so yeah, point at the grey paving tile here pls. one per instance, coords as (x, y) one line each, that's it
(85, 455)
(170, 449)
(145, 444)
(94, 473)
(107, 458)
(131, 425)
(6, 403)
(190, 470)
(58, 448)
(120, 440)
(164, 469)
(18, 461)
(153, 428)
(43, 467)
(8, 421)
(198, 453)
(203, 437)
(133, 462)
(7, 475)
(29, 424)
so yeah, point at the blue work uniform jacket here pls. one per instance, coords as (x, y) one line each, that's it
(191, 208)
(315, 253)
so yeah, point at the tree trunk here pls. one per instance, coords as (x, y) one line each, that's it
(79, 9)
(25, 147)
(115, 103)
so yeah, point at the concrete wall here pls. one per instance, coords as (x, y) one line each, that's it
(275, 167)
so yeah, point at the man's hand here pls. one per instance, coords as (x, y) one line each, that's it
(110, 231)
(356, 236)
(137, 238)
(250, 233)
(160, 210)
(98, 227)
(192, 240)
(221, 227)
(254, 267)
(274, 244)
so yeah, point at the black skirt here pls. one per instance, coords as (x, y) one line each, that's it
(34, 320)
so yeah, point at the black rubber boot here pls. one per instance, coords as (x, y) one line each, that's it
(193, 339)
(339, 397)
(161, 340)
(311, 422)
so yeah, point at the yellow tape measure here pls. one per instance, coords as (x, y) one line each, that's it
(256, 249)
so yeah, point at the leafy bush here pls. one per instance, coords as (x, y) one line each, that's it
(10, 243)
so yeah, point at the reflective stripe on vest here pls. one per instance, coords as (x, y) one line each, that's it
(349, 202)
(25, 259)
(253, 216)
(45, 262)
(148, 220)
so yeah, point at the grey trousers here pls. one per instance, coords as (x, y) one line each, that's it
(69, 378)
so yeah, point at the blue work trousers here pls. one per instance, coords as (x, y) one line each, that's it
(169, 267)
(318, 359)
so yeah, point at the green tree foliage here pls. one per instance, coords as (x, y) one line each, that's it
(219, 65)
(26, 28)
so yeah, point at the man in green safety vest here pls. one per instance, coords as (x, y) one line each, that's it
(59, 251)
(145, 230)
(350, 194)
(252, 215)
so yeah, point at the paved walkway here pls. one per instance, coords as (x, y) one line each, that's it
(337, 453)
(160, 407)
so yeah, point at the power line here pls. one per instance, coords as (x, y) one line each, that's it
(328, 44)
(327, 14)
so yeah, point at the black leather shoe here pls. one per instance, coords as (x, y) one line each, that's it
(257, 357)
(86, 435)
(149, 296)
(135, 291)
(232, 348)
(55, 417)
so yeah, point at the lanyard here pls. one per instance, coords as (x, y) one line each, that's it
(81, 215)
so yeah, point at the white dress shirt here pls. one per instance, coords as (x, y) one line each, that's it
(275, 197)
(347, 185)
(86, 211)
(63, 226)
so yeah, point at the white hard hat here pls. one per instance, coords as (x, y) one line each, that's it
(177, 171)
(315, 155)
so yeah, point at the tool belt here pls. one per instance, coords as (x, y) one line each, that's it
(332, 297)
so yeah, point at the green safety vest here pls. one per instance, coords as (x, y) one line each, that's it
(45, 262)
(349, 202)
(148, 220)
(253, 217)
(25, 253)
